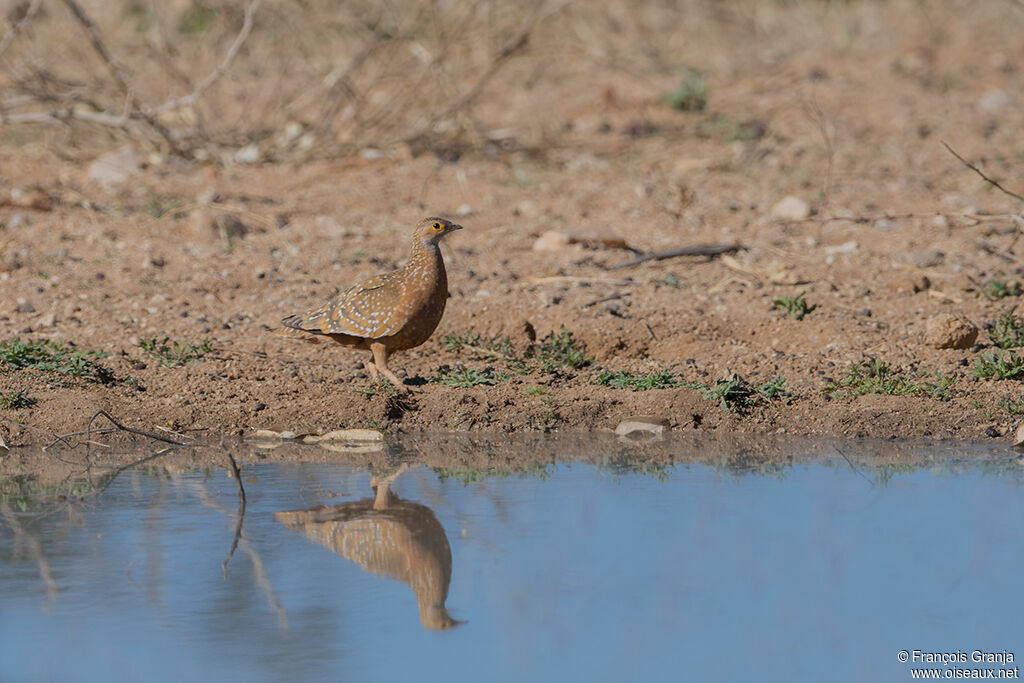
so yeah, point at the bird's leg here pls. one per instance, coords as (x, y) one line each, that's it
(372, 367)
(380, 359)
(382, 488)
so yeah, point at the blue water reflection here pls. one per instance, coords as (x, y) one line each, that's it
(817, 573)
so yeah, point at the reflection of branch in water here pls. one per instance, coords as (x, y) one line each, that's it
(389, 536)
(852, 466)
(259, 575)
(35, 549)
(241, 512)
(130, 430)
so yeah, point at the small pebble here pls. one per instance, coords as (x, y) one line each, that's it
(139, 366)
(260, 406)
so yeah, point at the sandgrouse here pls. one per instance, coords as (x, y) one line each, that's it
(386, 313)
(390, 536)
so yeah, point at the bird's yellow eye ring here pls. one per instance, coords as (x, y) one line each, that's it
(436, 226)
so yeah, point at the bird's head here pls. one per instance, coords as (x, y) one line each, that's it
(431, 230)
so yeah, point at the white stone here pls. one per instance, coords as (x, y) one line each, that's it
(552, 240)
(115, 167)
(791, 209)
(992, 101)
(250, 154)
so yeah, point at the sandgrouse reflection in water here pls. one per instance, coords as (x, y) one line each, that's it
(390, 536)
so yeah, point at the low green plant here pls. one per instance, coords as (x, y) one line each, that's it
(471, 341)
(380, 386)
(463, 376)
(1012, 406)
(16, 400)
(620, 379)
(536, 390)
(158, 208)
(776, 388)
(196, 19)
(55, 356)
(794, 306)
(732, 393)
(1007, 331)
(171, 353)
(874, 376)
(997, 289)
(999, 364)
(691, 94)
(671, 280)
(561, 350)
(727, 129)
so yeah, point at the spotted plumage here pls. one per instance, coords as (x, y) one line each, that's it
(390, 312)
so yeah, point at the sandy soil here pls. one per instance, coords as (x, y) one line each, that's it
(898, 232)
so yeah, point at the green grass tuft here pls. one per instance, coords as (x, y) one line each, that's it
(462, 376)
(561, 350)
(620, 379)
(999, 365)
(16, 400)
(795, 306)
(776, 388)
(1007, 332)
(690, 95)
(171, 353)
(54, 356)
(997, 289)
(874, 376)
(732, 393)
(1013, 407)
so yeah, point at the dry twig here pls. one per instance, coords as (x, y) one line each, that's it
(20, 26)
(708, 250)
(984, 177)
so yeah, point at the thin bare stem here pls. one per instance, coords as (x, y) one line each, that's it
(217, 73)
(20, 26)
(237, 472)
(984, 177)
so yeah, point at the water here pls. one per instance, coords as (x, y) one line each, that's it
(796, 567)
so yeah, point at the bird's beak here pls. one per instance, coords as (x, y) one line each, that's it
(456, 226)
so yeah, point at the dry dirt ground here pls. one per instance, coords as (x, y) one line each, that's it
(842, 107)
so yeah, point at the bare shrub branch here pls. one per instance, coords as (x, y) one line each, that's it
(984, 177)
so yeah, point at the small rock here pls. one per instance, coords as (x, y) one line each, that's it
(115, 167)
(552, 240)
(885, 224)
(947, 331)
(260, 406)
(791, 209)
(642, 424)
(940, 221)
(271, 434)
(25, 307)
(346, 435)
(250, 154)
(139, 366)
(48, 320)
(18, 219)
(992, 101)
(844, 248)
(3, 446)
(991, 432)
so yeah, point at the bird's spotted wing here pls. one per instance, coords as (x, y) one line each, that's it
(370, 309)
